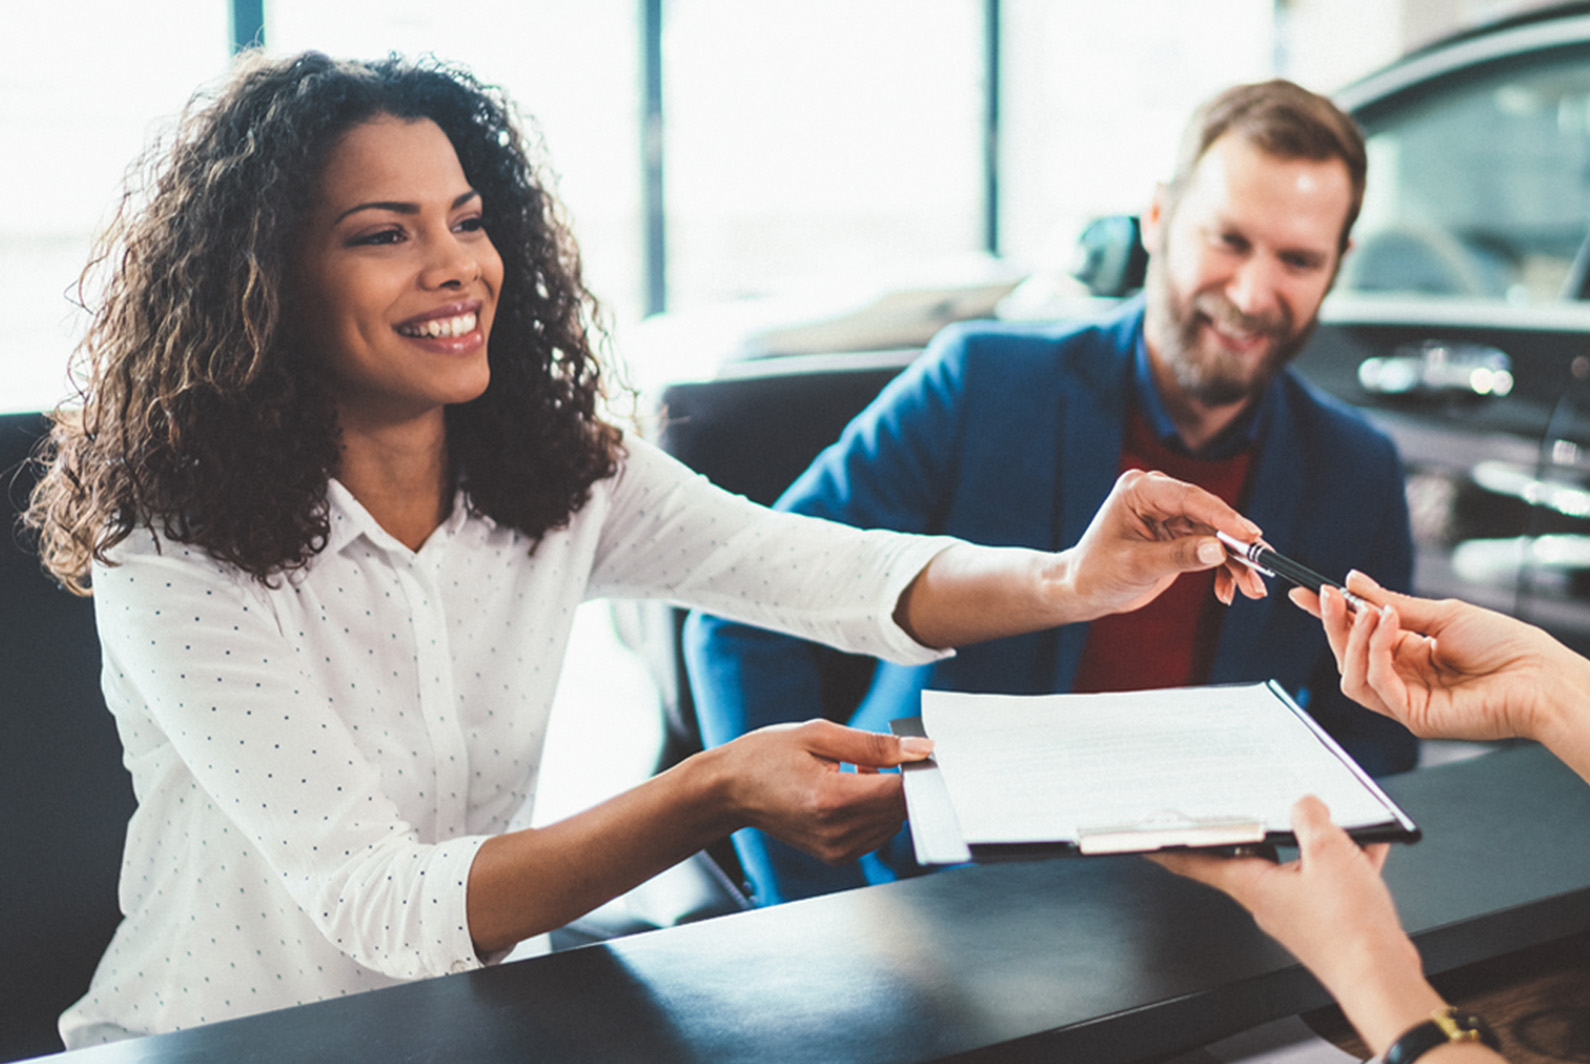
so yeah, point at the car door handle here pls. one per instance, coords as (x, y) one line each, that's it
(1567, 497)
(1439, 369)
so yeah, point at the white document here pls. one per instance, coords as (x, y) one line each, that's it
(1139, 770)
(1285, 1041)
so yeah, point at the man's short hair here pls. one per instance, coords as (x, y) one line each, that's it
(1283, 119)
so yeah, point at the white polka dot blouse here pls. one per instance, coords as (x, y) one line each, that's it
(317, 763)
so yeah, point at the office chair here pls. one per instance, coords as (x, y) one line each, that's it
(1110, 259)
(64, 796)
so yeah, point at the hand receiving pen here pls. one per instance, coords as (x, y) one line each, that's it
(1260, 557)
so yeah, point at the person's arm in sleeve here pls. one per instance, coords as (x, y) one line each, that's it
(888, 470)
(1150, 529)
(250, 719)
(199, 651)
(910, 599)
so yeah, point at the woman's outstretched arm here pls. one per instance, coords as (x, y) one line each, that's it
(1150, 530)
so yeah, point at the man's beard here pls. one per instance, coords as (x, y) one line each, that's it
(1214, 376)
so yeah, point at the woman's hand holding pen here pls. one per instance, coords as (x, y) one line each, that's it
(1450, 669)
(1150, 530)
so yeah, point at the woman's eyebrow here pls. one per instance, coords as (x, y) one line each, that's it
(399, 207)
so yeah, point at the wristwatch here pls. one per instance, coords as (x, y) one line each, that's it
(1449, 1024)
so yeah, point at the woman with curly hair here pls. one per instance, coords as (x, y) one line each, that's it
(337, 481)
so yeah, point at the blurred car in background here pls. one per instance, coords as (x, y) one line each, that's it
(1460, 322)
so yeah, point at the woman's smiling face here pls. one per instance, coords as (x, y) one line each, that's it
(397, 279)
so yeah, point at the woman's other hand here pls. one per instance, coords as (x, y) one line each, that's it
(790, 780)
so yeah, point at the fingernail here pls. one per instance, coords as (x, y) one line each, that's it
(1210, 552)
(914, 744)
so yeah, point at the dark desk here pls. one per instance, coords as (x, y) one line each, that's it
(1096, 959)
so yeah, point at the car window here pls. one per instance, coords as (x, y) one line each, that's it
(1480, 186)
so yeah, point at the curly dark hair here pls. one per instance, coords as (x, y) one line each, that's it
(203, 419)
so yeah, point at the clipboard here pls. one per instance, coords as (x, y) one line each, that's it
(936, 826)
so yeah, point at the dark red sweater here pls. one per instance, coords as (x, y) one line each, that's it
(1171, 641)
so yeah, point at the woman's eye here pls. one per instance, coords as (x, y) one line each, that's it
(473, 224)
(380, 236)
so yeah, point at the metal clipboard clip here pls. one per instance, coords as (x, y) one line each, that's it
(1165, 828)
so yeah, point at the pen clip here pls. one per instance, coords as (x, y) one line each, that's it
(1243, 552)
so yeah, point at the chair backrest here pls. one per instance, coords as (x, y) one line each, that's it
(64, 796)
(758, 425)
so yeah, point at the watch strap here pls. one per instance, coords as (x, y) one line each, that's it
(1449, 1024)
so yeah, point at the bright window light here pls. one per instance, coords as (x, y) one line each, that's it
(84, 84)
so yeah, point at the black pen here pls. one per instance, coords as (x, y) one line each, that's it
(1259, 556)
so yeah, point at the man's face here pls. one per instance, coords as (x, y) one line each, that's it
(1238, 267)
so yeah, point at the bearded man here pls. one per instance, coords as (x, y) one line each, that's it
(1014, 433)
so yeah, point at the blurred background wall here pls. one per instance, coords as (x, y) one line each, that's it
(803, 152)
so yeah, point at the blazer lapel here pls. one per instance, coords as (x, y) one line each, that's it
(1091, 408)
(1276, 492)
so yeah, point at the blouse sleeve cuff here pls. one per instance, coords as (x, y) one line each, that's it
(914, 556)
(445, 925)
